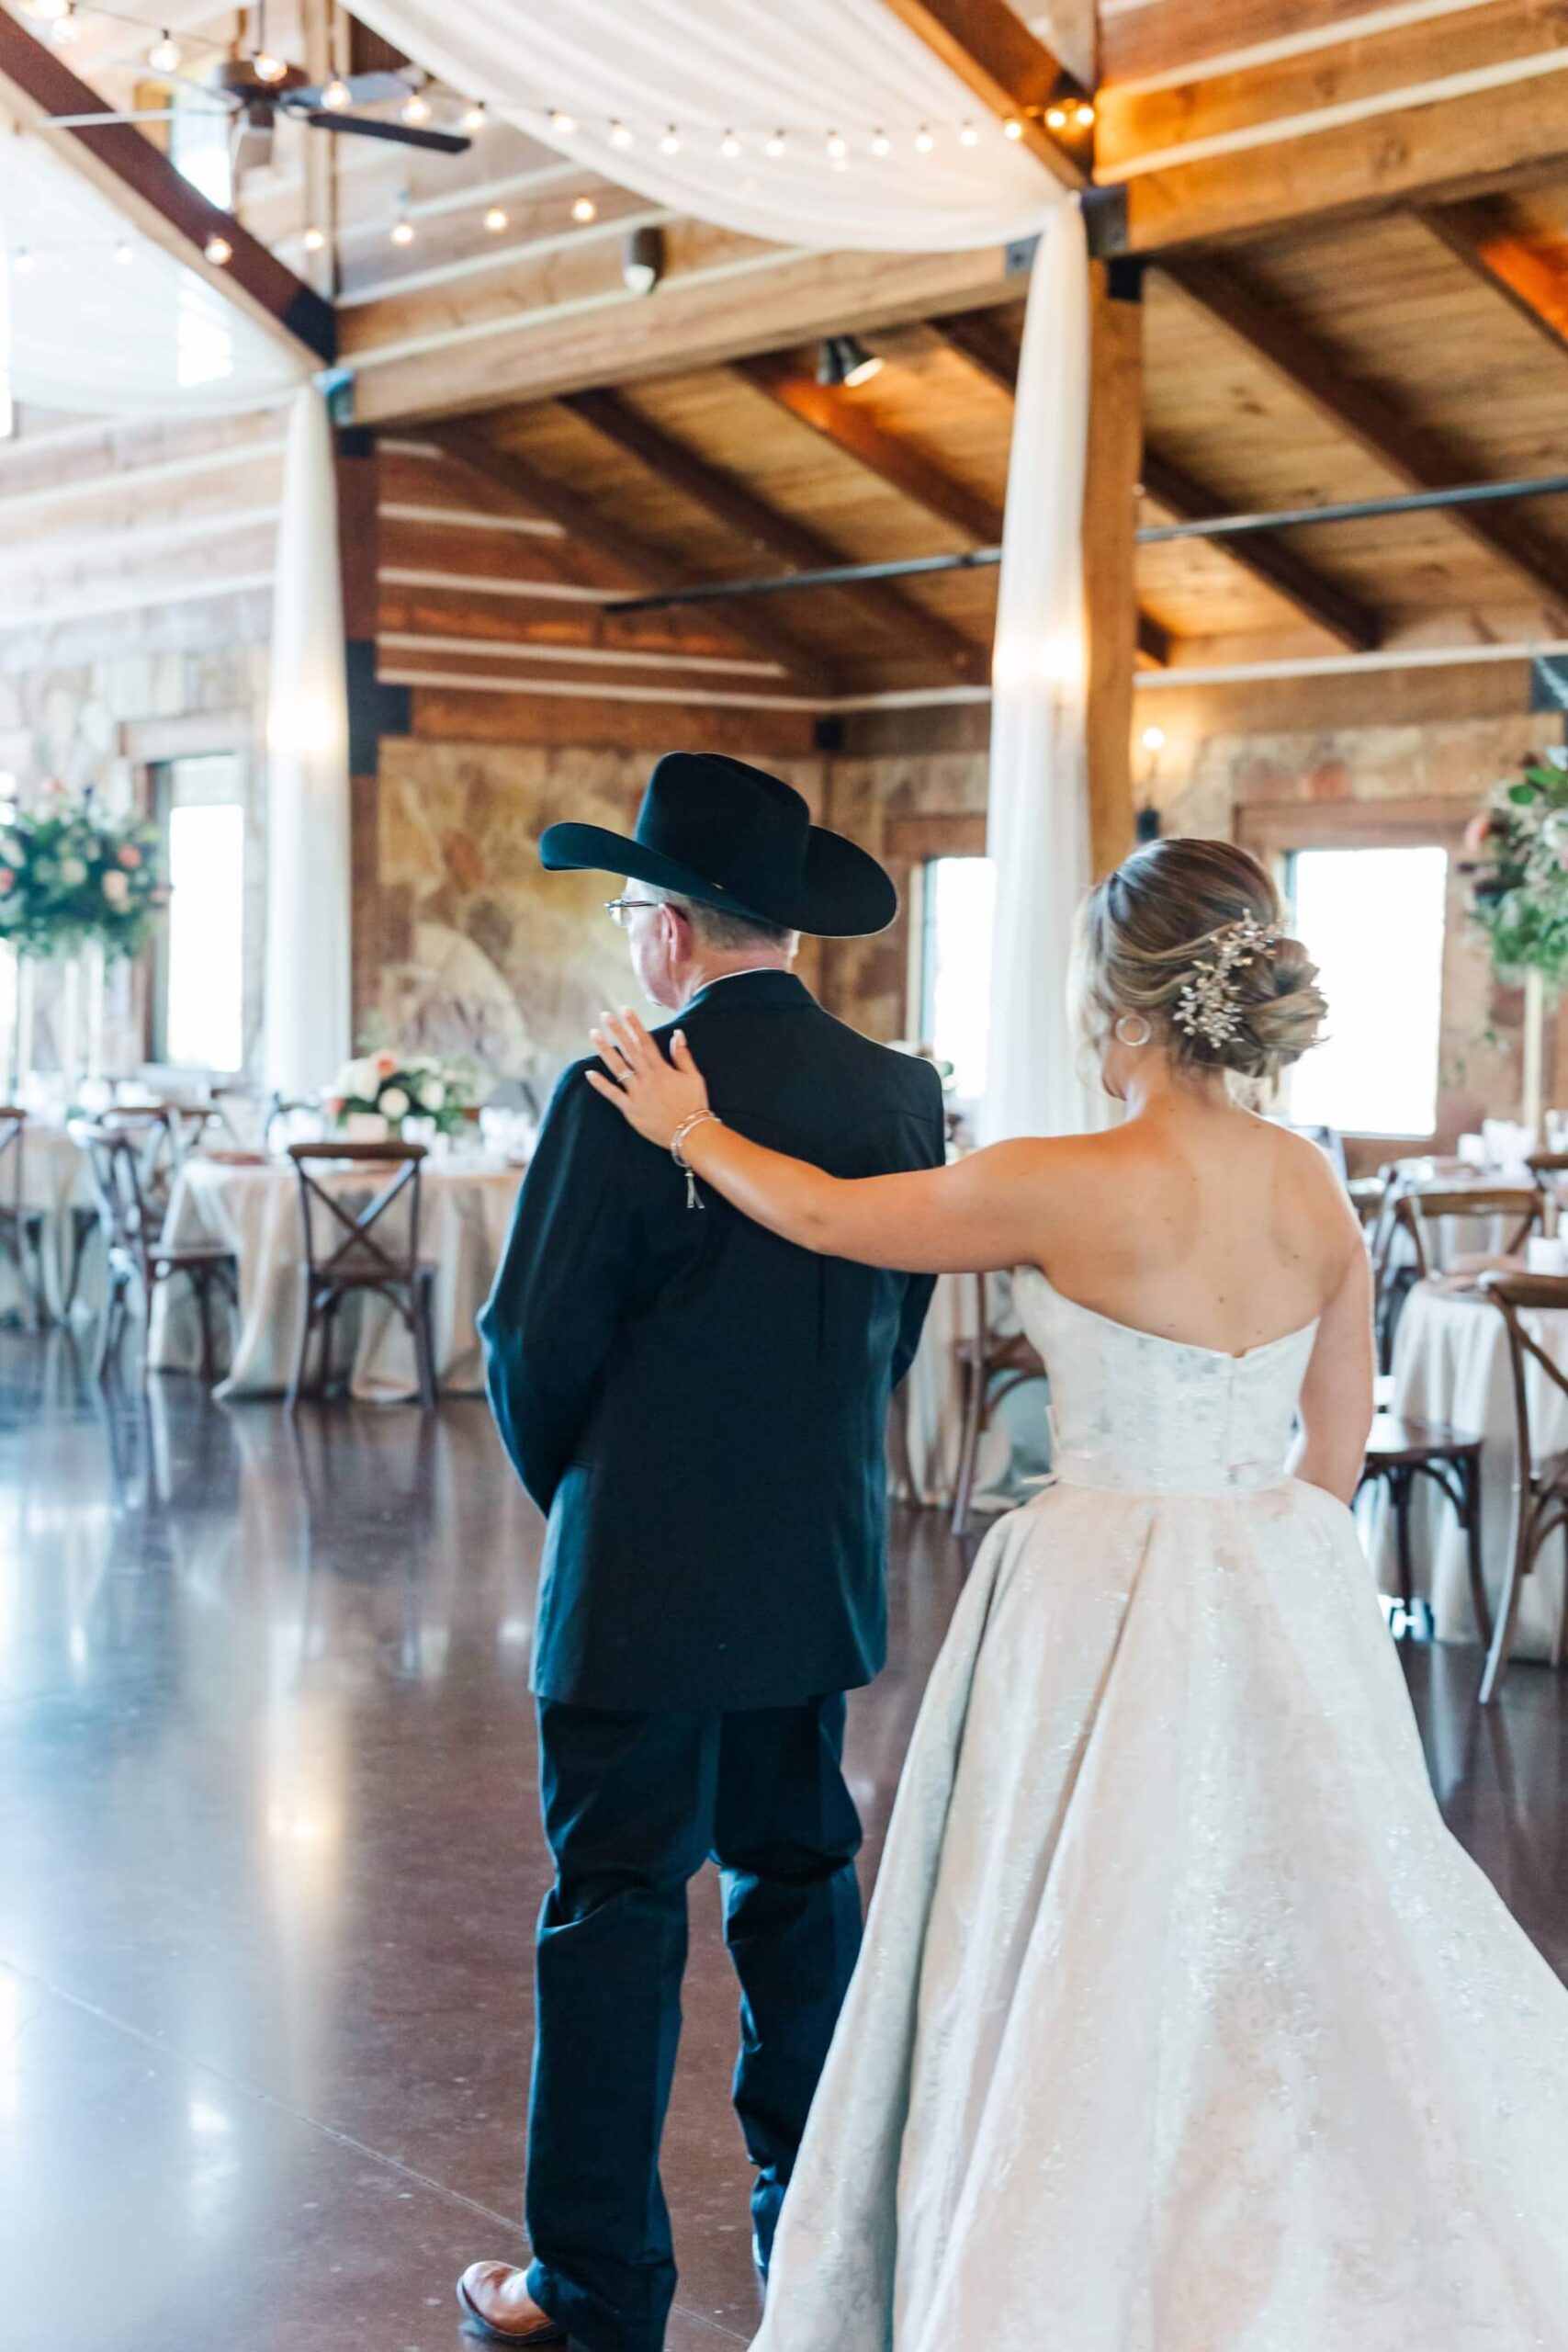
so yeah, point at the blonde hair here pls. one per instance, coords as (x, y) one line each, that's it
(1148, 926)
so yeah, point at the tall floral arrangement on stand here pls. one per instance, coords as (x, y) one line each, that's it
(1517, 872)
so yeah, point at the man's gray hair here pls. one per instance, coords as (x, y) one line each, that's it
(728, 933)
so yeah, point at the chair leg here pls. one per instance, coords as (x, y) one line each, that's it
(302, 1353)
(1401, 1483)
(114, 1305)
(424, 1339)
(968, 1446)
(204, 1304)
(1470, 1487)
(1507, 1614)
(1560, 1647)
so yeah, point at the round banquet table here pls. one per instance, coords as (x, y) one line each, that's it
(1450, 1365)
(55, 1180)
(253, 1208)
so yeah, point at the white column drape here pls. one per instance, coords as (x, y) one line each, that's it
(307, 1033)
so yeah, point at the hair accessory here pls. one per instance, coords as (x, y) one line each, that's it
(1131, 1023)
(677, 1141)
(1210, 1003)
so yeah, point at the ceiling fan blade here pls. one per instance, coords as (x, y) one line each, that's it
(401, 134)
(364, 90)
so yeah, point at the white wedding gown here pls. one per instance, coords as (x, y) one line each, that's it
(1183, 2024)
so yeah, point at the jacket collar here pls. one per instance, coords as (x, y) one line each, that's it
(751, 990)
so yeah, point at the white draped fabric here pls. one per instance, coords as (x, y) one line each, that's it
(308, 1016)
(850, 67)
(103, 322)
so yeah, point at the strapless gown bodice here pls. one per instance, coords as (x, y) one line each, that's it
(1147, 1415)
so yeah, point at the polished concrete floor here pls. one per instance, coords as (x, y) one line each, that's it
(269, 1863)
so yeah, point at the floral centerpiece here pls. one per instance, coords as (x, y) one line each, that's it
(396, 1087)
(72, 876)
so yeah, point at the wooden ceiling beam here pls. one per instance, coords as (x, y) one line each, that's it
(1479, 233)
(1009, 70)
(731, 502)
(1315, 596)
(642, 565)
(160, 203)
(1415, 457)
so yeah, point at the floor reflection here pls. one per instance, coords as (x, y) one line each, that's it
(271, 1865)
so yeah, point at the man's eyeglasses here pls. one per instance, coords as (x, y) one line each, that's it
(621, 911)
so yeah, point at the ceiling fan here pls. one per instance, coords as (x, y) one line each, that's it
(328, 105)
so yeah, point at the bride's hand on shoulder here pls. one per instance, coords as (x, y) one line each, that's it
(655, 1096)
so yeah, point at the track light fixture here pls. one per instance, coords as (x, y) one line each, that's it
(642, 260)
(843, 359)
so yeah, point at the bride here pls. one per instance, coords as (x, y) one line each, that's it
(1181, 2024)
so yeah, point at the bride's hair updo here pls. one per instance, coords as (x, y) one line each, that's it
(1149, 940)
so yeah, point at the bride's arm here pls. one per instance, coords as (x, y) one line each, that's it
(1337, 1395)
(983, 1212)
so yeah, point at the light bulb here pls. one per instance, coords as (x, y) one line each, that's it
(163, 56)
(968, 136)
(584, 209)
(671, 142)
(21, 261)
(880, 143)
(837, 144)
(729, 145)
(775, 145)
(219, 252)
(1057, 118)
(474, 118)
(314, 240)
(924, 143)
(65, 29)
(1012, 127)
(619, 135)
(402, 233)
(563, 125)
(266, 67)
(123, 254)
(416, 108)
(337, 95)
(1153, 739)
(1084, 116)
(495, 220)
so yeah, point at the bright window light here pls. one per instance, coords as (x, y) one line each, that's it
(956, 967)
(204, 1025)
(198, 144)
(1372, 921)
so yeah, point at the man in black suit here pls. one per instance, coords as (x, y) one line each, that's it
(699, 1409)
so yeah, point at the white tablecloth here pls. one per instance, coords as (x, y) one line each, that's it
(933, 1399)
(1451, 1364)
(255, 1210)
(54, 1180)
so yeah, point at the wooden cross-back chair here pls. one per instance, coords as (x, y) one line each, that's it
(1540, 1481)
(131, 1220)
(161, 1133)
(990, 1366)
(354, 1244)
(1549, 1171)
(1417, 1212)
(21, 1229)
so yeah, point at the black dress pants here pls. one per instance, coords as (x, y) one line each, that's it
(634, 1805)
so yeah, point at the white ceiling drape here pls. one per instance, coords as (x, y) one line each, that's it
(848, 73)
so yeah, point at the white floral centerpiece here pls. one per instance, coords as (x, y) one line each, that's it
(396, 1087)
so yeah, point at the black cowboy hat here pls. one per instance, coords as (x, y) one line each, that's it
(734, 837)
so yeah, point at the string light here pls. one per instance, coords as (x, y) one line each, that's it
(66, 27)
(416, 108)
(163, 56)
(729, 145)
(924, 143)
(968, 136)
(219, 252)
(266, 67)
(1012, 127)
(1084, 116)
(22, 261)
(671, 142)
(474, 118)
(585, 210)
(337, 96)
(775, 145)
(403, 230)
(619, 135)
(880, 143)
(123, 254)
(1153, 739)
(1057, 118)
(837, 145)
(314, 240)
(495, 220)
(563, 125)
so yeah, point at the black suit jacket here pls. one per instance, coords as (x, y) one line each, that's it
(698, 1406)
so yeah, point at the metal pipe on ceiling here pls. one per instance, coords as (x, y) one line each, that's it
(1215, 526)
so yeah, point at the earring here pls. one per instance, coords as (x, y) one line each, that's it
(1133, 1029)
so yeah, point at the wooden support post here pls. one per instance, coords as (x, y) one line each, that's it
(373, 709)
(1110, 515)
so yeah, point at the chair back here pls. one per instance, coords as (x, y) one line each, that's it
(361, 1231)
(131, 1219)
(1420, 1213)
(1515, 1296)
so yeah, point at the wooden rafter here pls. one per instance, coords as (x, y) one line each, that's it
(138, 178)
(1010, 71)
(1479, 234)
(731, 501)
(644, 566)
(1417, 458)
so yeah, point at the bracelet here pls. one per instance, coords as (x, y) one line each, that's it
(697, 1119)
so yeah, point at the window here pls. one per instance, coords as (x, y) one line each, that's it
(958, 904)
(199, 1011)
(1372, 920)
(200, 143)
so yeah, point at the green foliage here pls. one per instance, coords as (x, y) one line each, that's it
(1518, 873)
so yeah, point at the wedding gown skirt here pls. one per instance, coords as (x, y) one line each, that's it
(1183, 2024)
